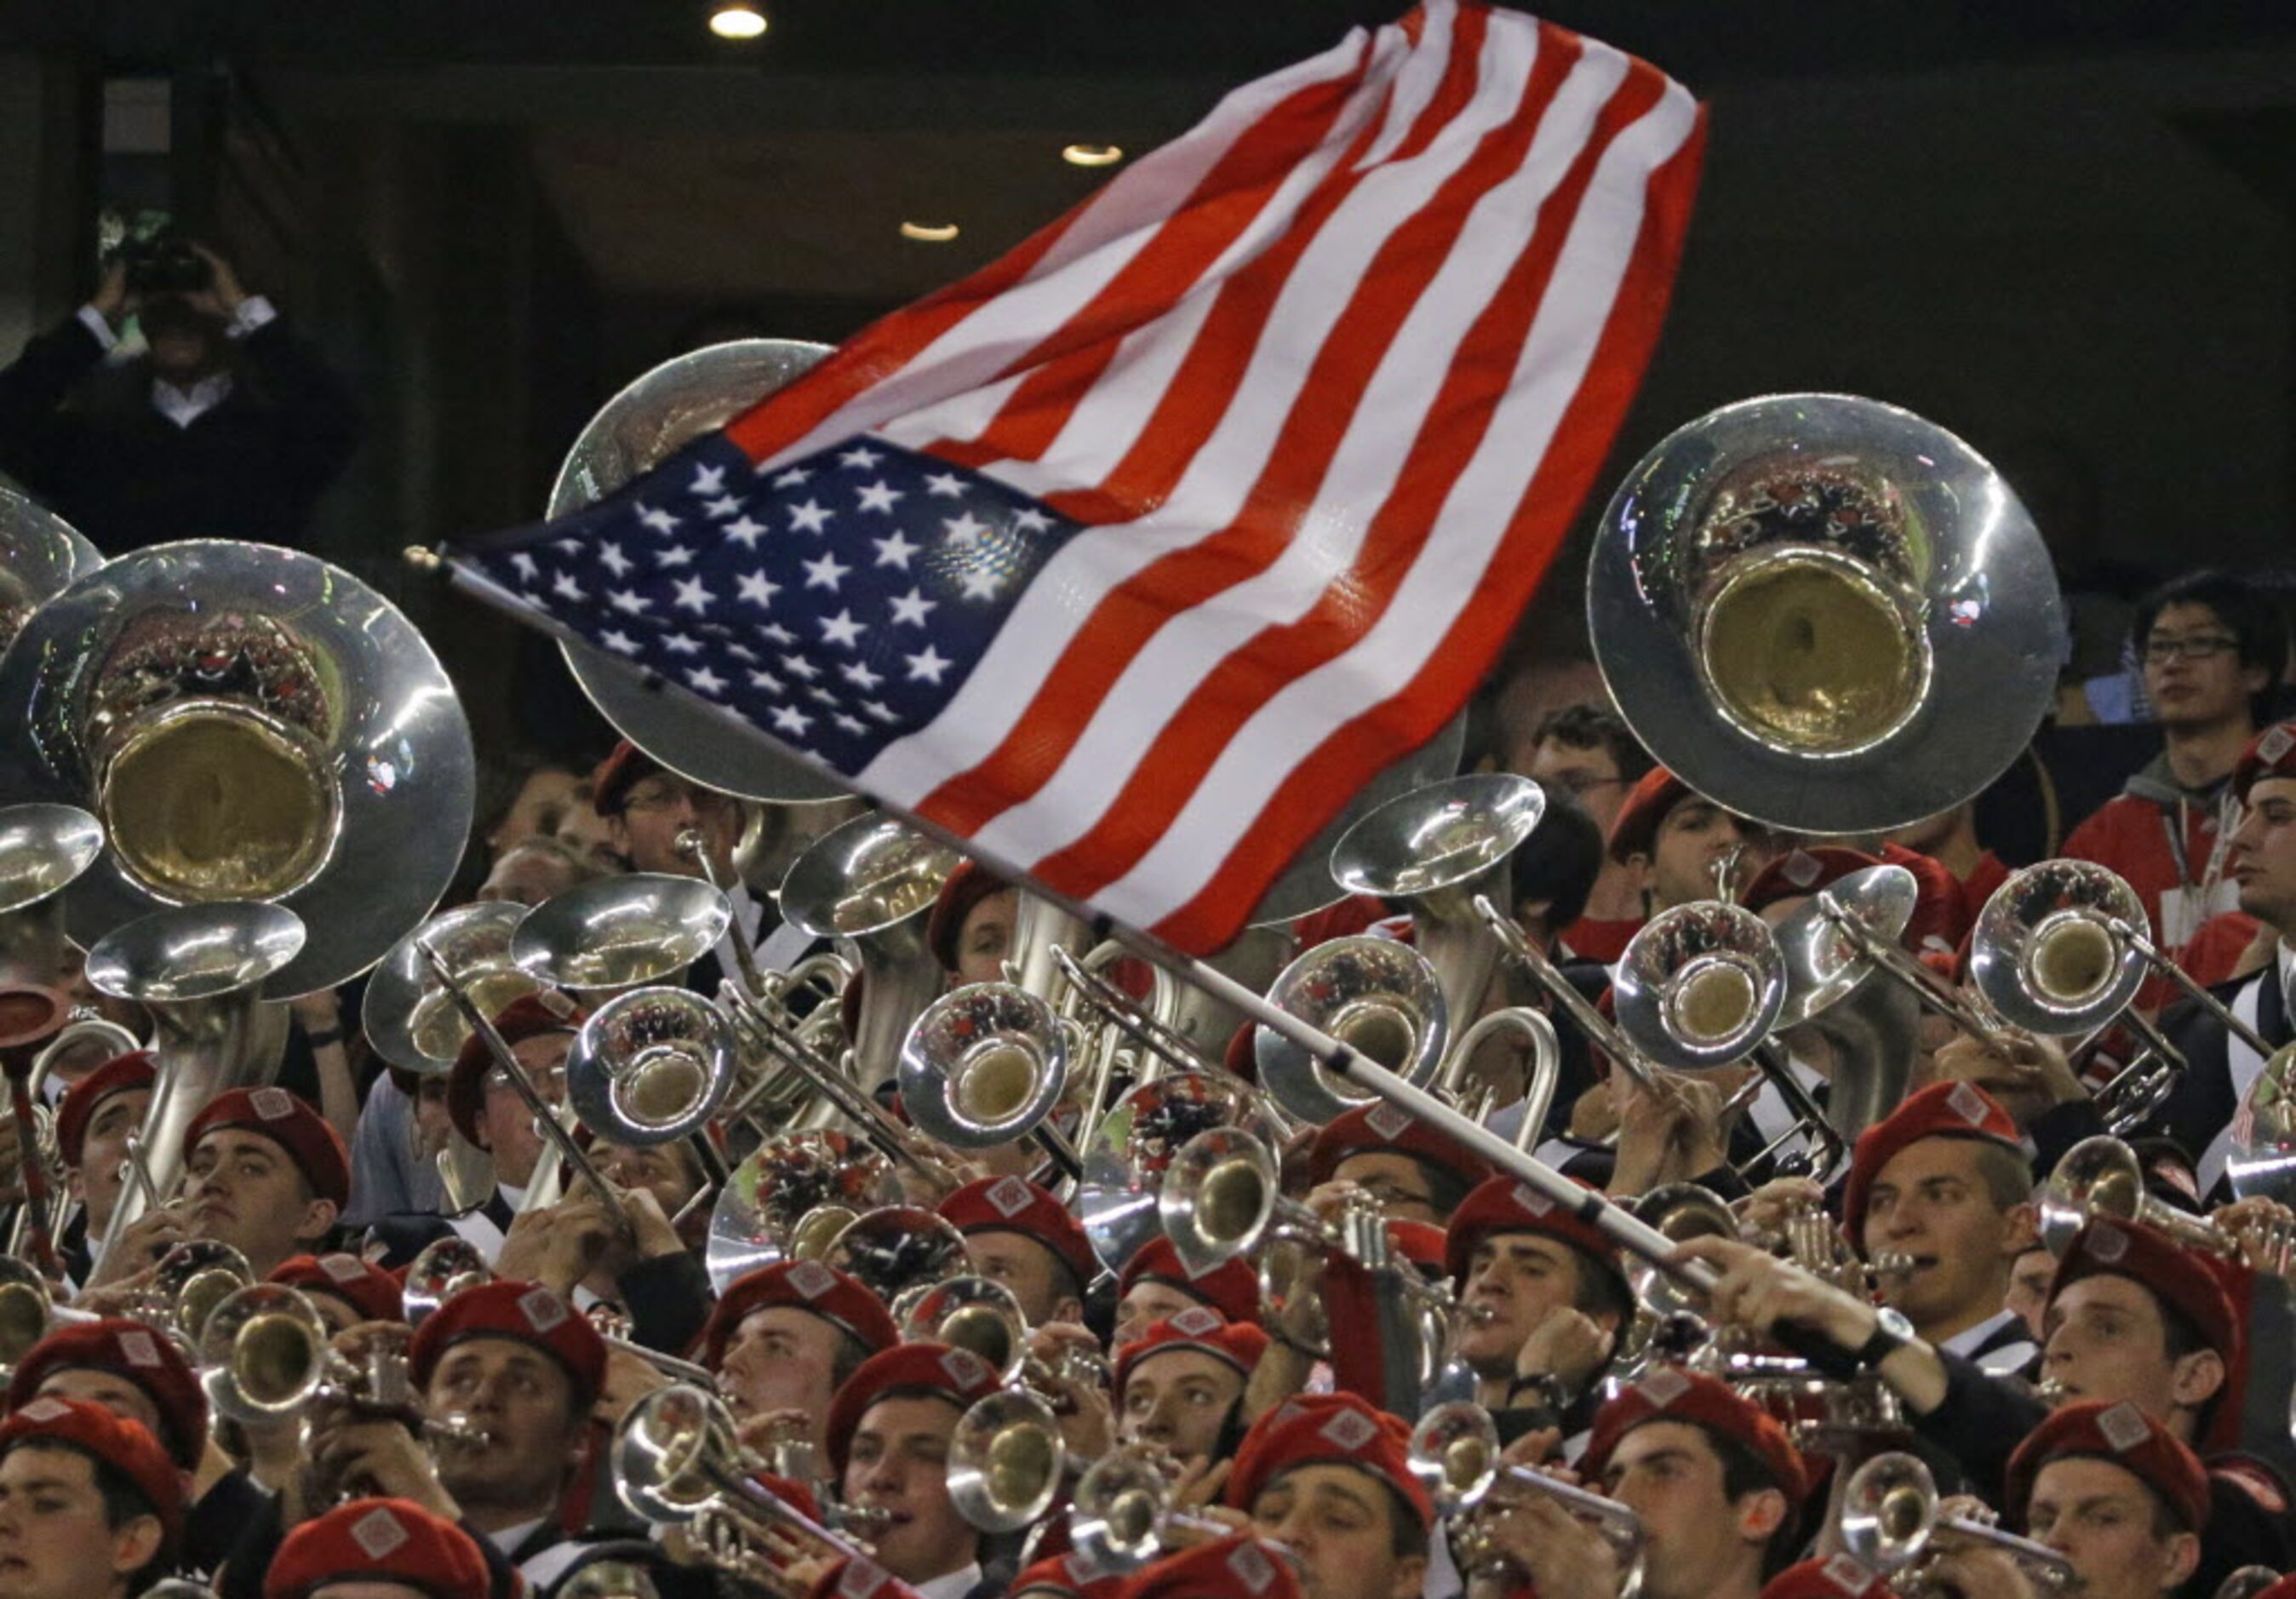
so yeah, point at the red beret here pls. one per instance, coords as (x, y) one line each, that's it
(1636, 830)
(1016, 1205)
(1670, 1394)
(1381, 1128)
(1232, 1288)
(524, 1312)
(1940, 1110)
(806, 1285)
(1071, 1575)
(1836, 1577)
(613, 778)
(960, 891)
(1803, 870)
(310, 1139)
(1504, 1205)
(366, 1287)
(119, 1443)
(957, 1375)
(2271, 753)
(528, 1016)
(1338, 1429)
(379, 1540)
(119, 1075)
(1422, 1243)
(132, 1351)
(1200, 1328)
(2176, 1276)
(1239, 1567)
(2120, 1433)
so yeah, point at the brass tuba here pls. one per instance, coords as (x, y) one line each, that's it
(41, 555)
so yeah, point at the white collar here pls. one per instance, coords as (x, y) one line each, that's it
(1969, 1339)
(956, 1585)
(184, 406)
(510, 1537)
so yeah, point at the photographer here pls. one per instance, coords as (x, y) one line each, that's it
(226, 427)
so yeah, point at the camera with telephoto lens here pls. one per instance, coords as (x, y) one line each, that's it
(164, 264)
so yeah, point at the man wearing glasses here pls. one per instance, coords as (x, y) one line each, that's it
(2213, 647)
(1588, 752)
(647, 811)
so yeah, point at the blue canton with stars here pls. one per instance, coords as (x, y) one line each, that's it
(837, 604)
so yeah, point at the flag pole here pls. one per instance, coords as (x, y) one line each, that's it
(1589, 1205)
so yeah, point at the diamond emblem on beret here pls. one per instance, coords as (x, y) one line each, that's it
(1530, 1199)
(1388, 1122)
(859, 1579)
(1663, 1387)
(1010, 1196)
(2123, 1427)
(1252, 1567)
(1197, 1320)
(1351, 1429)
(1801, 868)
(2278, 739)
(965, 1368)
(543, 1309)
(342, 1269)
(272, 1104)
(1847, 1574)
(378, 1532)
(1967, 1103)
(811, 1278)
(43, 1410)
(2107, 1243)
(139, 1349)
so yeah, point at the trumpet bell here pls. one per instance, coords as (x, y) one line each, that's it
(655, 415)
(1455, 1452)
(1786, 593)
(263, 1352)
(195, 1277)
(195, 952)
(41, 555)
(443, 1268)
(781, 1184)
(1217, 1197)
(619, 932)
(407, 1014)
(662, 1449)
(2043, 954)
(1126, 1159)
(896, 1248)
(983, 1065)
(1889, 1509)
(650, 1066)
(1005, 1461)
(1378, 995)
(1700, 985)
(2098, 1176)
(1119, 1511)
(248, 723)
(24, 1310)
(1680, 1212)
(975, 1314)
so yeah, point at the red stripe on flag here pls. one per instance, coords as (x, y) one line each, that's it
(1258, 159)
(1304, 801)
(1126, 619)
(1236, 690)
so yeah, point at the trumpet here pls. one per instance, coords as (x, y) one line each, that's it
(986, 1064)
(1375, 994)
(445, 1266)
(28, 1313)
(1136, 1143)
(653, 1066)
(1888, 1520)
(1454, 1451)
(1123, 1514)
(191, 1280)
(981, 1316)
(1006, 1462)
(268, 1357)
(2100, 1178)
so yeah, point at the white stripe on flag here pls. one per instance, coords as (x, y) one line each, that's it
(1570, 326)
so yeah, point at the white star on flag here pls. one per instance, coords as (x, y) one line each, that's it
(827, 572)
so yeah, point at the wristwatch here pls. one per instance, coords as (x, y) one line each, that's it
(1891, 1332)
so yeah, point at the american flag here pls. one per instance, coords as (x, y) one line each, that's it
(1133, 555)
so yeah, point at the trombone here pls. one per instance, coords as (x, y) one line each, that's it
(986, 1064)
(655, 1066)
(1454, 1451)
(1888, 1520)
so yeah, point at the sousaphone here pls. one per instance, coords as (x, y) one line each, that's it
(1824, 612)
(248, 723)
(41, 555)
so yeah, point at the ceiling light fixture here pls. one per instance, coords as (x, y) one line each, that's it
(929, 233)
(736, 21)
(1092, 155)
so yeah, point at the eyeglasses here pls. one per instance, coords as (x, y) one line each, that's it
(2196, 647)
(1579, 784)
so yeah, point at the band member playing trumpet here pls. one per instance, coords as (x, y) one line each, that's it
(1329, 1478)
(648, 810)
(785, 1339)
(91, 1507)
(94, 1122)
(2107, 1486)
(1417, 1173)
(1542, 1297)
(888, 1439)
(1677, 838)
(1018, 1235)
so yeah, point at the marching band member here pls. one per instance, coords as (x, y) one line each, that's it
(1180, 1384)
(1417, 1173)
(383, 1549)
(91, 1507)
(492, 1114)
(1588, 752)
(1329, 1478)
(1018, 1235)
(1242, 1567)
(94, 1121)
(2261, 862)
(889, 1434)
(1543, 1299)
(1943, 1180)
(785, 1340)
(2107, 1486)
(1155, 1286)
(647, 807)
(1677, 837)
(970, 932)
(264, 1173)
(345, 1290)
